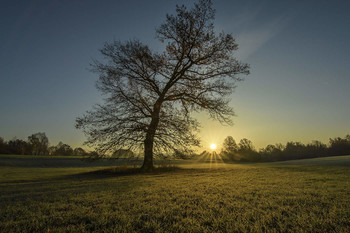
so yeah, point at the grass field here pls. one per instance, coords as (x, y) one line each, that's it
(208, 195)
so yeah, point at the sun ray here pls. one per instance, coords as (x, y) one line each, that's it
(207, 157)
(215, 157)
(223, 161)
(202, 155)
(211, 160)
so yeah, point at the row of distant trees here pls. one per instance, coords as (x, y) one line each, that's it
(38, 144)
(245, 150)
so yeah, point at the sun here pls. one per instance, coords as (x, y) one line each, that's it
(213, 146)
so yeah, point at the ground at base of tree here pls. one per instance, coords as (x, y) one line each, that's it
(300, 196)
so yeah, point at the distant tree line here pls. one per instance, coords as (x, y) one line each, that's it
(38, 144)
(245, 151)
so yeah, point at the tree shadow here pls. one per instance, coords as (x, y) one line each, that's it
(119, 171)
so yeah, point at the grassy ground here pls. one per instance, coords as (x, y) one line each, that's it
(207, 195)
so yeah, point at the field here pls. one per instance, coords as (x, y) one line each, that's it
(39, 194)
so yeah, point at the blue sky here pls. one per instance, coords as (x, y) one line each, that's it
(299, 54)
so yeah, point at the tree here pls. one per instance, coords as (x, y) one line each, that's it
(272, 152)
(18, 147)
(316, 149)
(230, 148)
(230, 145)
(339, 146)
(39, 143)
(294, 150)
(245, 145)
(52, 150)
(63, 149)
(150, 96)
(247, 151)
(3, 146)
(79, 152)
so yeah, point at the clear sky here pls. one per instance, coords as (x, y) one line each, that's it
(299, 54)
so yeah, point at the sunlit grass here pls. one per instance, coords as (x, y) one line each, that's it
(207, 196)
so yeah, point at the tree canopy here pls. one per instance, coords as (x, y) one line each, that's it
(149, 96)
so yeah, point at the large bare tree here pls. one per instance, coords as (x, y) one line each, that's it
(149, 96)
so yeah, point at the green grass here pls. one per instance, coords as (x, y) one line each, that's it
(295, 196)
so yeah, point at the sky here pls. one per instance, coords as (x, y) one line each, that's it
(298, 51)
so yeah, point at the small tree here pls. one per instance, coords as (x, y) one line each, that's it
(63, 149)
(150, 95)
(79, 152)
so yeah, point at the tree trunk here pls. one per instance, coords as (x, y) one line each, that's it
(148, 158)
(148, 143)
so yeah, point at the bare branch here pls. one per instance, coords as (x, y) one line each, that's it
(150, 96)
